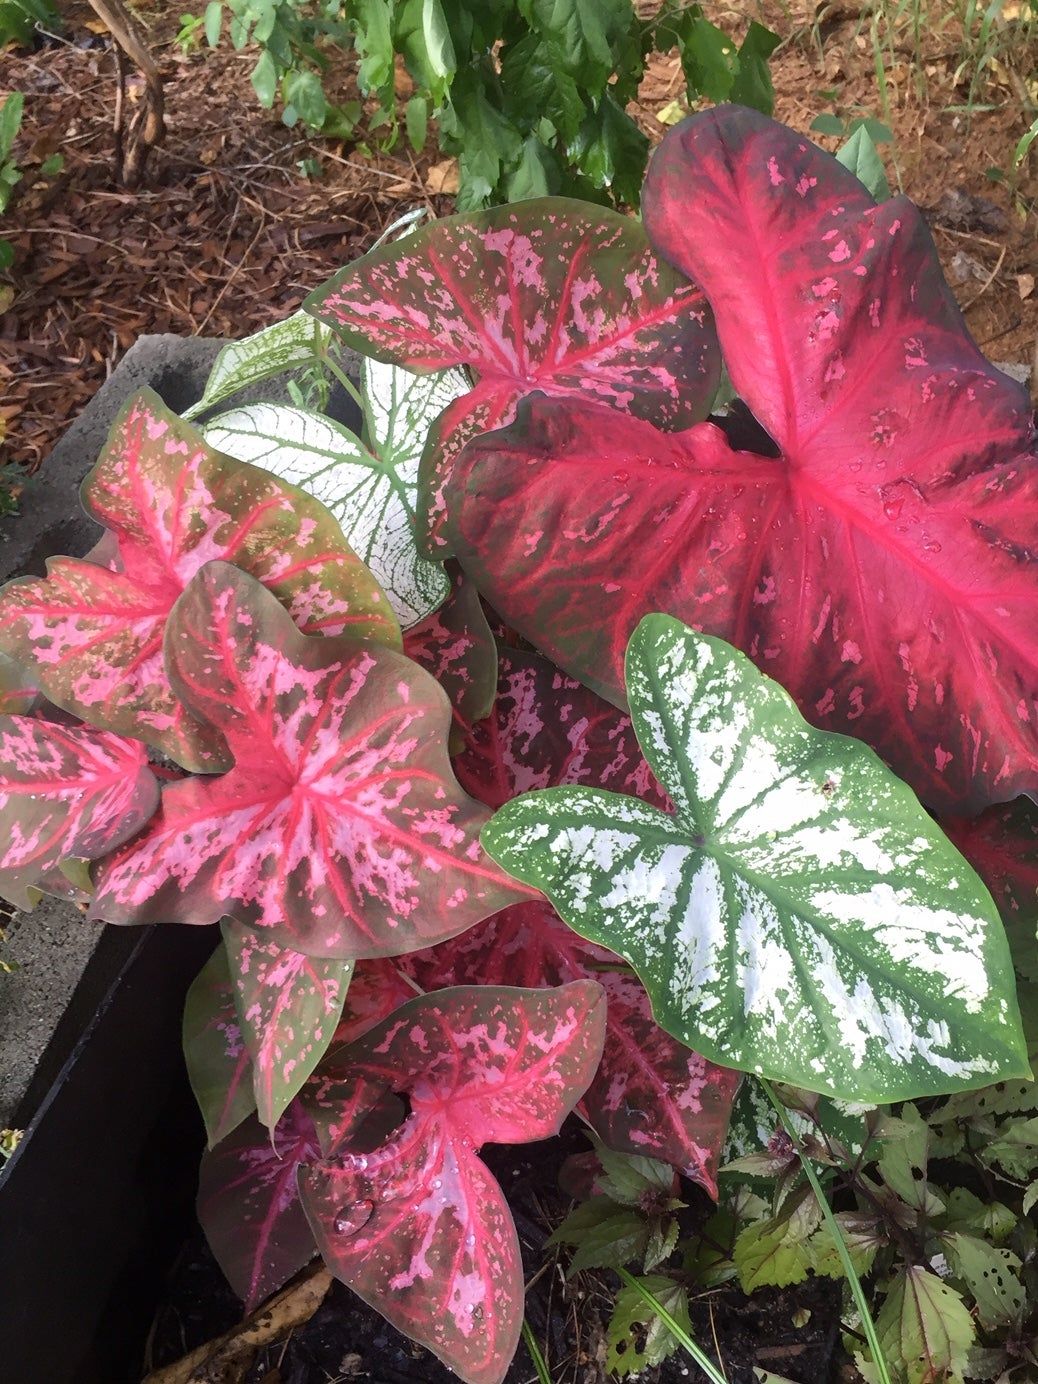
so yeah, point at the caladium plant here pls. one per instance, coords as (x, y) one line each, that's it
(742, 889)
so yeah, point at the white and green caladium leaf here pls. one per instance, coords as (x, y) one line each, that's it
(800, 915)
(370, 489)
(285, 345)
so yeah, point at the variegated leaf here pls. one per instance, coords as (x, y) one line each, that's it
(249, 1208)
(17, 688)
(218, 1063)
(549, 295)
(288, 1007)
(287, 345)
(800, 915)
(340, 830)
(371, 489)
(650, 1094)
(65, 791)
(455, 644)
(92, 630)
(418, 1227)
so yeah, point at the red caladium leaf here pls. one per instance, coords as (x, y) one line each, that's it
(288, 1007)
(456, 646)
(1002, 846)
(249, 1208)
(418, 1227)
(341, 829)
(18, 688)
(65, 791)
(549, 295)
(92, 629)
(651, 1095)
(218, 1063)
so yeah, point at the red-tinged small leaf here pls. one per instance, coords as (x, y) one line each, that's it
(456, 646)
(932, 666)
(218, 1063)
(288, 1007)
(1002, 846)
(18, 688)
(92, 629)
(341, 829)
(249, 1208)
(65, 791)
(549, 295)
(418, 1227)
(651, 1095)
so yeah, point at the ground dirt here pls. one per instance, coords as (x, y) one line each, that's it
(227, 235)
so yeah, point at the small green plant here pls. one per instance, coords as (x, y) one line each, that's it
(10, 173)
(530, 96)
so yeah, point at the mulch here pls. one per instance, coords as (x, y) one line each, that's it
(228, 233)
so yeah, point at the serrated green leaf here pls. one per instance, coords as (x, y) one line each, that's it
(533, 84)
(990, 1274)
(752, 85)
(799, 915)
(584, 34)
(777, 1252)
(862, 1235)
(903, 1161)
(626, 1353)
(629, 1178)
(967, 1212)
(371, 489)
(1030, 1198)
(924, 1328)
(1016, 1149)
(606, 1236)
(611, 150)
(304, 91)
(861, 156)
(708, 58)
(286, 345)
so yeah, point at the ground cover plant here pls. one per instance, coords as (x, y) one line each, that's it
(553, 744)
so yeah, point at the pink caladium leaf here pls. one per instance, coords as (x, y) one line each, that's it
(65, 791)
(249, 1207)
(341, 830)
(1002, 846)
(651, 1095)
(456, 646)
(418, 1227)
(288, 1007)
(881, 569)
(18, 688)
(92, 629)
(218, 1063)
(549, 295)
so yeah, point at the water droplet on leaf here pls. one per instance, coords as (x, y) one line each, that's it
(353, 1218)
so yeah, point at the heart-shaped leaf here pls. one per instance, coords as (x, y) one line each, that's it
(340, 829)
(249, 1208)
(218, 1063)
(650, 1094)
(65, 791)
(549, 295)
(288, 1006)
(287, 345)
(800, 916)
(1002, 846)
(418, 1227)
(881, 568)
(92, 629)
(371, 489)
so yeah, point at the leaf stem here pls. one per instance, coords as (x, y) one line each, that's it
(676, 1330)
(857, 1292)
(535, 1353)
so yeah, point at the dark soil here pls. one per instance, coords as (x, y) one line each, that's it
(345, 1340)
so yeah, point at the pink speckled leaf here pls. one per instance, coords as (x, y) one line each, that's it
(249, 1208)
(1002, 846)
(288, 1006)
(18, 688)
(341, 829)
(651, 1095)
(549, 295)
(456, 646)
(218, 1063)
(92, 629)
(65, 791)
(418, 1227)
